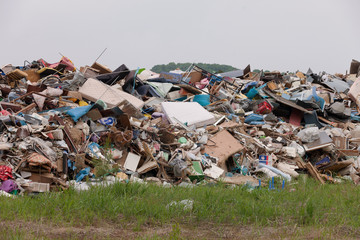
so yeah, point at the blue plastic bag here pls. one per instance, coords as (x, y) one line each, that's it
(78, 112)
(83, 173)
(254, 118)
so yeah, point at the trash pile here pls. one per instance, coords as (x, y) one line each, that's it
(63, 126)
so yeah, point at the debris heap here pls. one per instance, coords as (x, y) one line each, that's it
(63, 126)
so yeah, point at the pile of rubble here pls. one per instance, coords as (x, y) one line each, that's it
(63, 126)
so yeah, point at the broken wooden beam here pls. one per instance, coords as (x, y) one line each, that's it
(314, 172)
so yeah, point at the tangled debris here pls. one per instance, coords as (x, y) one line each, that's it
(61, 126)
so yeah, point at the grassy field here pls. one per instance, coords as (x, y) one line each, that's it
(304, 209)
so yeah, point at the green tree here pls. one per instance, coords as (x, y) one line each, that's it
(213, 68)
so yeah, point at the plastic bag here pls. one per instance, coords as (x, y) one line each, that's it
(309, 134)
(78, 112)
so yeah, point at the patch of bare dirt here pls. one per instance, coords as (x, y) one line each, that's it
(43, 230)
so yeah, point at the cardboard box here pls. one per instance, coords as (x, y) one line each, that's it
(39, 187)
(42, 178)
(223, 145)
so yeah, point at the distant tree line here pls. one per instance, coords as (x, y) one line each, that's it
(213, 68)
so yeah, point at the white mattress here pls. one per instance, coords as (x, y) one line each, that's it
(191, 113)
(94, 90)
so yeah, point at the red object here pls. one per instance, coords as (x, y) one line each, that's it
(4, 113)
(64, 60)
(5, 173)
(50, 135)
(296, 117)
(264, 108)
(183, 91)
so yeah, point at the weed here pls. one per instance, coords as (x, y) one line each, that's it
(307, 204)
(175, 233)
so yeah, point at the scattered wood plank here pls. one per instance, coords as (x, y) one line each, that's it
(314, 173)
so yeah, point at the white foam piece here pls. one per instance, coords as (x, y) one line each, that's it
(191, 113)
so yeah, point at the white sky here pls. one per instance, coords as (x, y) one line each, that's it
(275, 35)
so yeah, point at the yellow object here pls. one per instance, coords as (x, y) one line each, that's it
(240, 96)
(122, 176)
(147, 115)
(47, 68)
(83, 103)
(300, 75)
(72, 99)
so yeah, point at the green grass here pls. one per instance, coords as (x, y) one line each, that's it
(302, 203)
(13, 234)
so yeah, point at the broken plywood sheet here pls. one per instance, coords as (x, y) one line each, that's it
(349, 152)
(94, 90)
(230, 124)
(336, 166)
(146, 167)
(133, 100)
(322, 142)
(314, 172)
(101, 68)
(286, 102)
(222, 145)
(191, 113)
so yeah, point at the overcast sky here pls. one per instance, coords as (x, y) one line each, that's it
(268, 34)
